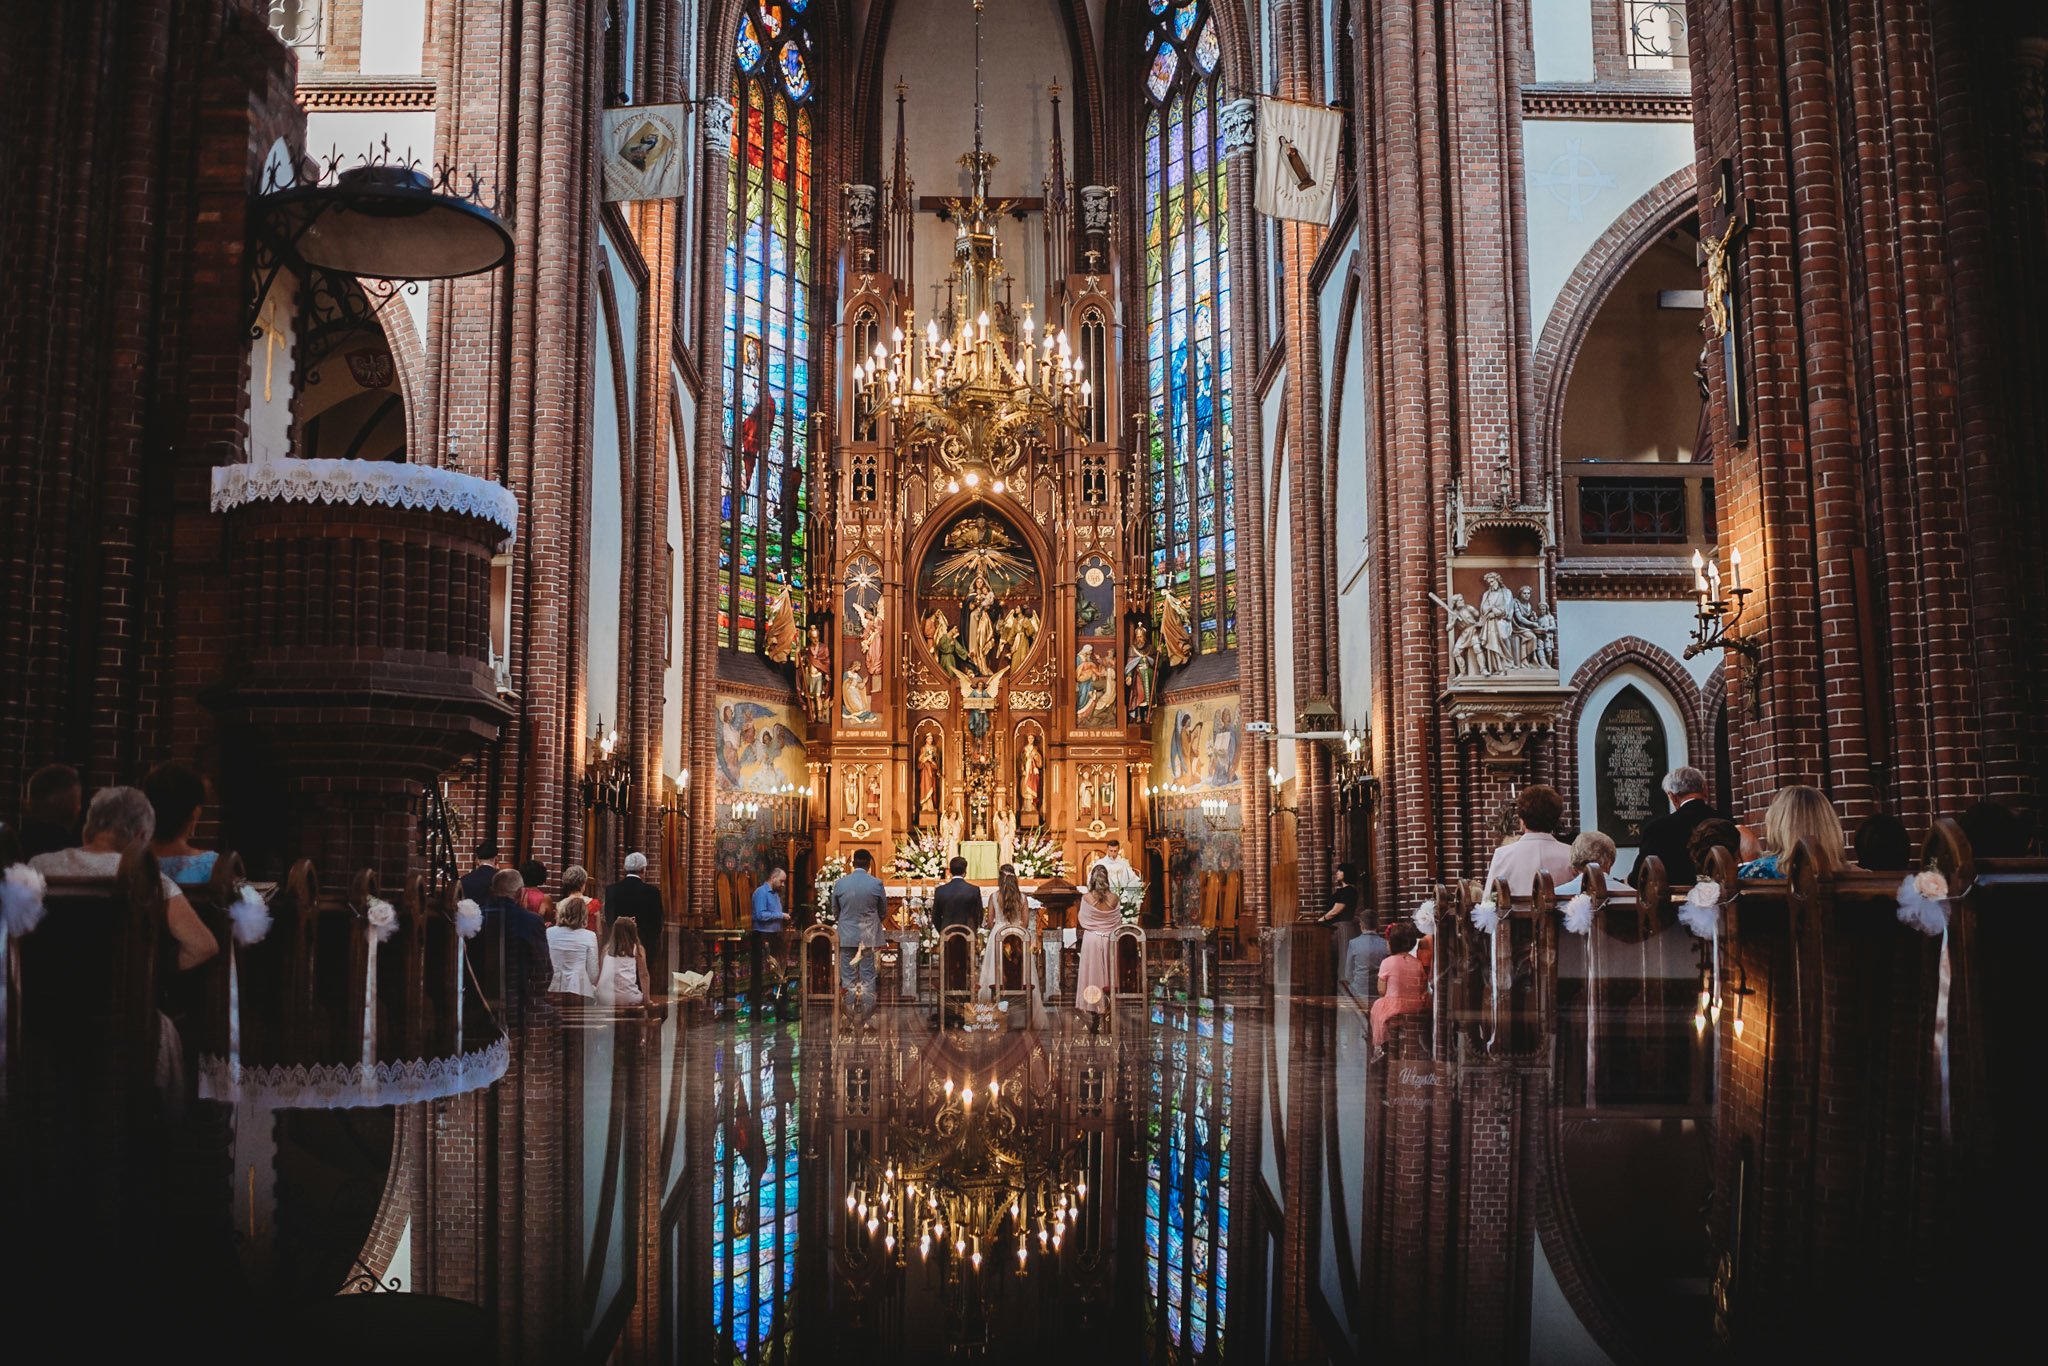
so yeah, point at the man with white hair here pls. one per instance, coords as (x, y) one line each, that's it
(633, 898)
(1667, 835)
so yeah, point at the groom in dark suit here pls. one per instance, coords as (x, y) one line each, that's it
(958, 901)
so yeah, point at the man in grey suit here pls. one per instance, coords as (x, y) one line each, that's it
(858, 900)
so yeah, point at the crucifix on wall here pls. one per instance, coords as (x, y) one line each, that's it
(1716, 256)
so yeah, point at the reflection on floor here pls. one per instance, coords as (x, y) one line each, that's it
(1564, 1158)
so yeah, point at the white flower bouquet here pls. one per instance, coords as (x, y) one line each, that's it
(920, 856)
(1130, 898)
(1039, 855)
(829, 873)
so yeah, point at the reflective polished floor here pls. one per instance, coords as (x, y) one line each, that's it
(1237, 1174)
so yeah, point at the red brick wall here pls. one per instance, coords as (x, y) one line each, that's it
(1881, 500)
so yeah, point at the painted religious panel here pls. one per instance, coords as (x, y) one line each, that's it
(759, 745)
(1095, 686)
(979, 598)
(1200, 744)
(1095, 599)
(863, 622)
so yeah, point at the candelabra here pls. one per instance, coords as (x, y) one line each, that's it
(1356, 784)
(1717, 612)
(607, 783)
(982, 380)
(782, 810)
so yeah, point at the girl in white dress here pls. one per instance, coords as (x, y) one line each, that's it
(573, 950)
(621, 982)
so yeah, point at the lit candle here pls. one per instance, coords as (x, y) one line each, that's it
(1735, 568)
(1699, 577)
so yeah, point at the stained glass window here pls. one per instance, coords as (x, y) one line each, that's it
(754, 1190)
(1187, 1175)
(1187, 321)
(768, 329)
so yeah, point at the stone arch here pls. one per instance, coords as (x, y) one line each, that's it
(1626, 653)
(1664, 207)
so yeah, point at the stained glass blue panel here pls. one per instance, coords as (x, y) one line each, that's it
(1163, 66)
(749, 47)
(1207, 49)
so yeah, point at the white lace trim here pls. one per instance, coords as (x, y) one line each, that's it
(365, 481)
(343, 1086)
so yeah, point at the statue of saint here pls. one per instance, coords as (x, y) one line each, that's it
(928, 778)
(856, 707)
(818, 674)
(1018, 631)
(849, 781)
(981, 625)
(1174, 635)
(1030, 775)
(1094, 689)
(1006, 836)
(1141, 677)
(1528, 639)
(949, 830)
(1496, 625)
(1467, 660)
(780, 634)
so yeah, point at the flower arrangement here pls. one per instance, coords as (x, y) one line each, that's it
(829, 872)
(921, 855)
(1130, 898)
(1039, 855)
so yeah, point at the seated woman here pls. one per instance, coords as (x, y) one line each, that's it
(1800, 813)
(573, 950)
(621, 981)
(176, 794)
(1403, 987)
(1590, 848)
(119, 822)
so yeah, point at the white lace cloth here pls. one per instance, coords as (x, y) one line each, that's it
(380, 482)
(344, 1086)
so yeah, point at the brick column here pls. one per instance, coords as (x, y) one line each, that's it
(1447, 335)
(1880, 498)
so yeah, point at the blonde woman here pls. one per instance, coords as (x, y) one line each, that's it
(1800, 813)
(1100, 914)
(1589, 849)
(573, 949)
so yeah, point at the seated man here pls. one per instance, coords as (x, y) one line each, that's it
(858, 901)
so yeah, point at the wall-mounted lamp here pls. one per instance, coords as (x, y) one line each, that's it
(1716, 613)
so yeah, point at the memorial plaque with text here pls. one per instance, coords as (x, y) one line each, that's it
(1629, 757)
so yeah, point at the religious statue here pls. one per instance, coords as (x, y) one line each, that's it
(1030, 775)
(1084, 800)
(1006, 836)
(979, 617)
(849, 780)
(1174, 635)
(928, 803)
(949, 830)
(1141, 677)
(1546, 636)
(871, 636)
(1094, 689)
(1105, 796)
(1018, 631)
(1496, 625)
(1466, 658)
(946, 646)
(856, 708)
(1528, 637)
(818, 675)
(780, 633)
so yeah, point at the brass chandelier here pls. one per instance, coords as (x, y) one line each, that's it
(980, 388)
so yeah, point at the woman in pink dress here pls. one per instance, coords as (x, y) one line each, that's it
(1403, 989)
(1101, 913)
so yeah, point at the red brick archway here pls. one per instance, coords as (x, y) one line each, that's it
(1666, 205)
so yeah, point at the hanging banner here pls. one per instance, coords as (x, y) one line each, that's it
(1297, 160)
(643, 152)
